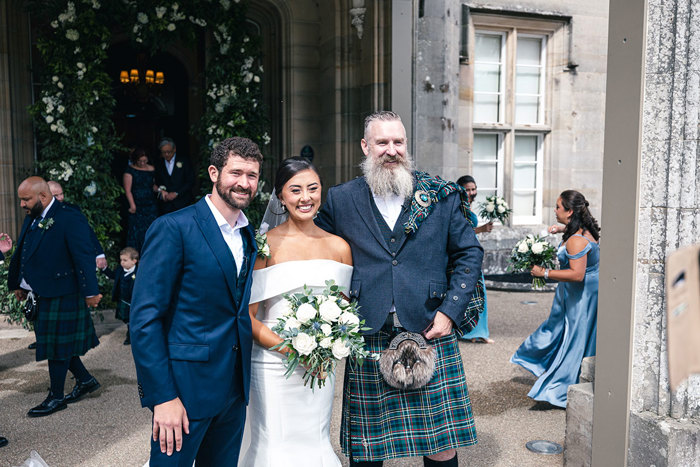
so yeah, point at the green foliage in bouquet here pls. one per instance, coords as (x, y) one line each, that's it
(495, 208)
(531, 251)
(319, 330)
(10, 307)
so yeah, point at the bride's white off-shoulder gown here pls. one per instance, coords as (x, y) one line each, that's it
(287, 423)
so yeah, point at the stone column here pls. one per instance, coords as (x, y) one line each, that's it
(436, 87)
(16, 138)
(665, 426)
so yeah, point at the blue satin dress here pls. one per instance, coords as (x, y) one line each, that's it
(481, 330)
(554, 351)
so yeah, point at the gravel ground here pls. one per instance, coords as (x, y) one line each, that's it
(108, 428)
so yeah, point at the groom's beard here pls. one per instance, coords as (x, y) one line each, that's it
(383, 181)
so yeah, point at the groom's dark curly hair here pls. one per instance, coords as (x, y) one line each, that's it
(236, 146)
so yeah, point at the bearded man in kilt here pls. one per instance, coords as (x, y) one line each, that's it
(405, 229)
(55, 260)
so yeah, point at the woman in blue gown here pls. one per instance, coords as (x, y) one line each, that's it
(138, 181)
(555, 350)
(480, 333)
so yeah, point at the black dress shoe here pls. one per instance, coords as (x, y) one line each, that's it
(3, 441)
(49, 406)
(80, 389)
(32, 346)
(127, 341)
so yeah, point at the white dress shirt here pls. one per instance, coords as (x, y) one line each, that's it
(130, 270)
(232, 235)
(23, 284)
(390, 207)
(170, 165)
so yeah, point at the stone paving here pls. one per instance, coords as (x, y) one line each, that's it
(108, 428)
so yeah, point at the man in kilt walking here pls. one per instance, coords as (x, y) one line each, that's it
(406, 229)
(55, 260)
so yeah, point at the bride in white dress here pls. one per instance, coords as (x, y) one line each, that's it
(288, 423)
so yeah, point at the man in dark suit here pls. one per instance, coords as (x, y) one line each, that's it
(174, 178)
(55, 261)
(190, 327)
(405, 228)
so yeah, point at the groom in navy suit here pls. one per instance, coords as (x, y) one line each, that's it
(190, 328)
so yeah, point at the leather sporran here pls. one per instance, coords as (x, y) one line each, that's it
(30, 307)
(408, 363)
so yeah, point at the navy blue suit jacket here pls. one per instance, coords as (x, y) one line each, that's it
(61, 260)
(180, 181)
(93, 236)
(408, 271)
(187, 330)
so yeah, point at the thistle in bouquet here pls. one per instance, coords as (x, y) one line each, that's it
(495, 208)
(533, 250)
(319, 330)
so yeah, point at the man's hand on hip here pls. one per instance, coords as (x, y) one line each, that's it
(440, 327)
(169, 420)
(21, 294)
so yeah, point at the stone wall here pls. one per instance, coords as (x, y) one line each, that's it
(669, 216)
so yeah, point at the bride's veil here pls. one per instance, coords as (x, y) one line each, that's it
(274, 215)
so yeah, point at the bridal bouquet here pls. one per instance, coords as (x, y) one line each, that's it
(320, 330)
(533, 250)
(495, 208)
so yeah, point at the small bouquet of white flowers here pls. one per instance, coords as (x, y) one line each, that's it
(320, 330)
(531, 251)
(495, 208)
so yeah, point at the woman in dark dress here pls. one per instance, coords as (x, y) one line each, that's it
(138, 183)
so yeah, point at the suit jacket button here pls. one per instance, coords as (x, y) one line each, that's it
(394, 262)
(393, 240)
(235, 348)
(467, 270)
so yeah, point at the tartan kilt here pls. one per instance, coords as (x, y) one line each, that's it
(122, 311)
(380, 422)
(63, 328)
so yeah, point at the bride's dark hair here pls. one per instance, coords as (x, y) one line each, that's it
(289, 168)
(581, 217)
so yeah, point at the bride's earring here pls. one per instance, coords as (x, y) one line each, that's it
(284, 207)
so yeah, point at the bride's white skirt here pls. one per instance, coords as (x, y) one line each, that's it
(287, 423)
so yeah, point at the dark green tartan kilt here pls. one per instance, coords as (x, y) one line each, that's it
(380, 422)
(63, 328)
(122, 311)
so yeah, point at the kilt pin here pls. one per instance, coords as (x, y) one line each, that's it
(406, 269)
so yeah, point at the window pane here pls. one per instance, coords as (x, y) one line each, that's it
(487, 78)
(527, 80)
(487, 48)
(528, 51)
(485, 147)
(524, 176)
(486, 107)
(485, 174)
(526, 109)
(525, 148)
(523, 204)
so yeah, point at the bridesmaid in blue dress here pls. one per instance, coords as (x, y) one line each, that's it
(139, 181)
(554, 351)
(480, 333)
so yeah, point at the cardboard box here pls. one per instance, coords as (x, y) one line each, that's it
(683, 313)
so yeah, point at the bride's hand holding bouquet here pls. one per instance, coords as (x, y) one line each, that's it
(535, 254)
(319, 330)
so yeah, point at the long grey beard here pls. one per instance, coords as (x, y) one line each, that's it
(384, 181)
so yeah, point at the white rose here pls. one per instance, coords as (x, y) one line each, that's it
(49, 119)
(304, 343)
(325, 342)
(490, 207)
(305, 313)
(72, 35)
(291, 323)
(501, 209)
(171, 27)
(349, 318)
(61, 109)
(340, 349)
(266, 250)
(142, 17)
(329, 311)
(522, 247)
(537, 248)
(160, 11)
(327, 329)
(54, 127)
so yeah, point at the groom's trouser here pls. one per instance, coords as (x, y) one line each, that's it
(212, 441)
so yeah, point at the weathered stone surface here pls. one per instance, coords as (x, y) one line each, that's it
(579, 425)
(663, 441)
(587, 370)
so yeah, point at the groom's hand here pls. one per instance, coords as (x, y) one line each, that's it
(441, 326)
(169, 419)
